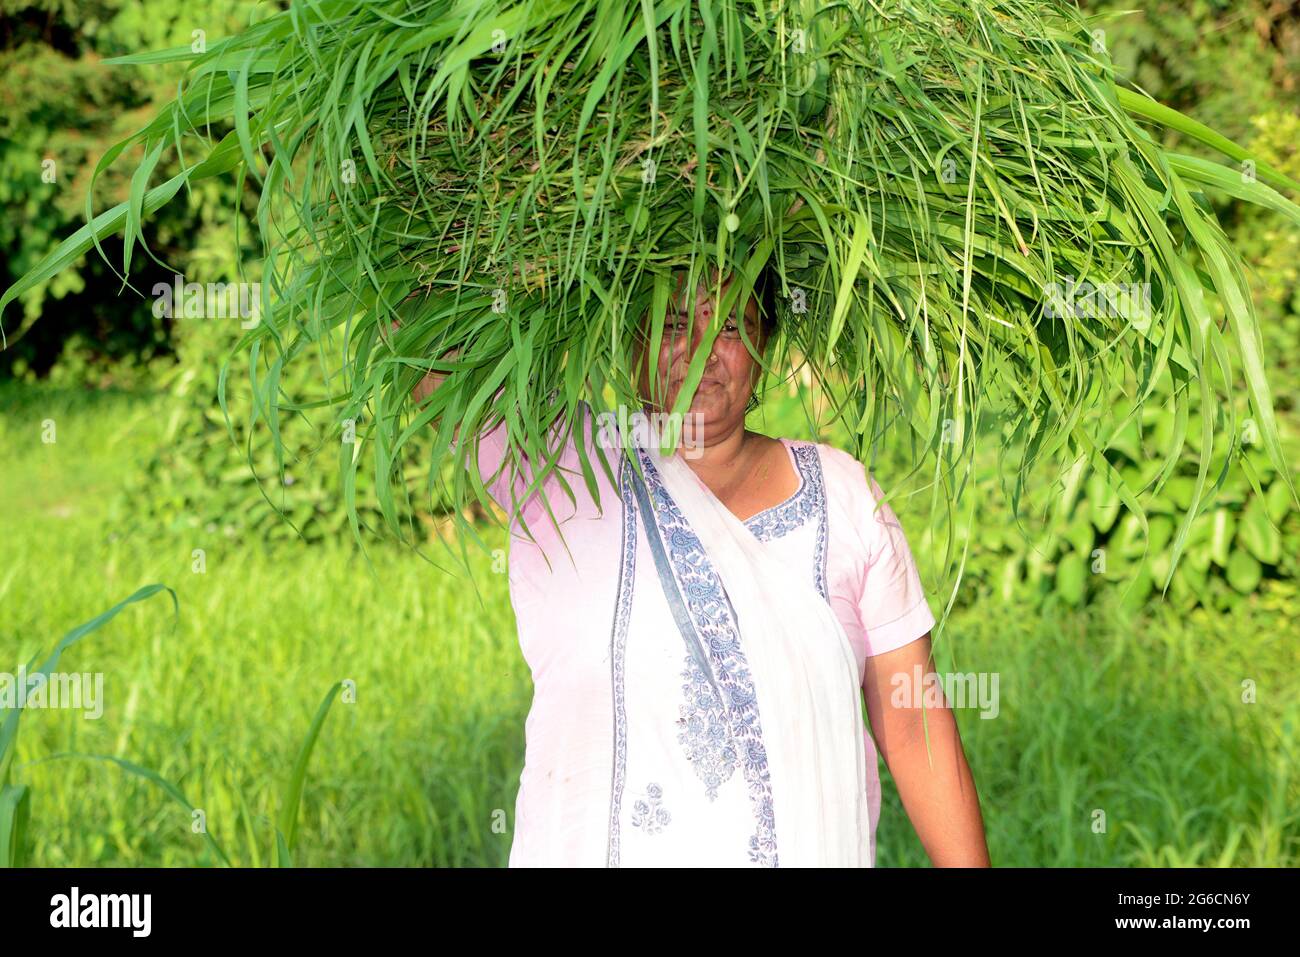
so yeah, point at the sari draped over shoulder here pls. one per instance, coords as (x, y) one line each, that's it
(696, 694)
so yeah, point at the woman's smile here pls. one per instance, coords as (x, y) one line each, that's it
(706, 382)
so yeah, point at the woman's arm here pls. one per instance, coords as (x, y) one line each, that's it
(937, 787)
(426, 386)
(504, 483)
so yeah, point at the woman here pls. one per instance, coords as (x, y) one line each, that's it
(688, 710)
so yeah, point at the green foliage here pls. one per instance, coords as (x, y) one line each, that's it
(1164, 738)
(1227, 60)
(219, 476)
(61, 109)
(1245, 537)
(923, 174)
(15, 799)
(1080, 544)
(1089, 543)
(1272, 247)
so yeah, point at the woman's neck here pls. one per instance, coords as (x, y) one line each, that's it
(722, 454)
(717, 454)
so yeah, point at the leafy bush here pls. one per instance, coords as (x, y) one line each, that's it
(223, 475)
(61, 108)
(1244, 537)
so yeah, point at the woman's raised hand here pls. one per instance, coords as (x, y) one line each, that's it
(426, 386)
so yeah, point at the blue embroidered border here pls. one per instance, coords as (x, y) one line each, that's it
(718, 731)
(808, 500)
(618, 647)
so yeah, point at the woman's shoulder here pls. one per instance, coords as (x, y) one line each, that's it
(846, 477)
(833, 459)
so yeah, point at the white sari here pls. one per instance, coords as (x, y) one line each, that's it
(771, 691)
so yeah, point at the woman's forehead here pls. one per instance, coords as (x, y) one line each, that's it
(704, 288)
(704, 281)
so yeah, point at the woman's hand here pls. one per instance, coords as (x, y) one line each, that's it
(936, 785)
(426, 386)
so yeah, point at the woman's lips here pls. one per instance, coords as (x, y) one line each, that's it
(706, 381)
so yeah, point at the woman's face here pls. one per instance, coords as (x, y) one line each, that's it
(730, 372)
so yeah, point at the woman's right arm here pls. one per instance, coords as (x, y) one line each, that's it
(505, 484)
(505, 480)
(426, 386)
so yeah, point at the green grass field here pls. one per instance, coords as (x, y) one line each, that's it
(1141, 720)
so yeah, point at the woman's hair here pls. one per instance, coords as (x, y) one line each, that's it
(765, 290)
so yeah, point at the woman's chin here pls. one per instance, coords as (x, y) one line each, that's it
(709, 413)
(709, 407)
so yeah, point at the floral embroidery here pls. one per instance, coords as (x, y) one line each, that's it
(808, 501)
(704, 731)
(785, 517)
(713, 742)
(648, 814)
(719, 723)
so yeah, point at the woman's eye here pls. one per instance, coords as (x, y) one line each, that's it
(680, 327)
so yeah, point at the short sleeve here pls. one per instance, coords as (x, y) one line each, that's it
(891, 600)
(507, 480)
(504, 482)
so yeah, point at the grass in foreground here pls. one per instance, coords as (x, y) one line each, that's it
(1142, 720)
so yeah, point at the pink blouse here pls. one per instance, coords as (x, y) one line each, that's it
(829, 529)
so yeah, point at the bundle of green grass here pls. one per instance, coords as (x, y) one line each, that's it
(946, 193)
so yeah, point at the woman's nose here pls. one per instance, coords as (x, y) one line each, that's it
(696, 340)
(699, 332)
